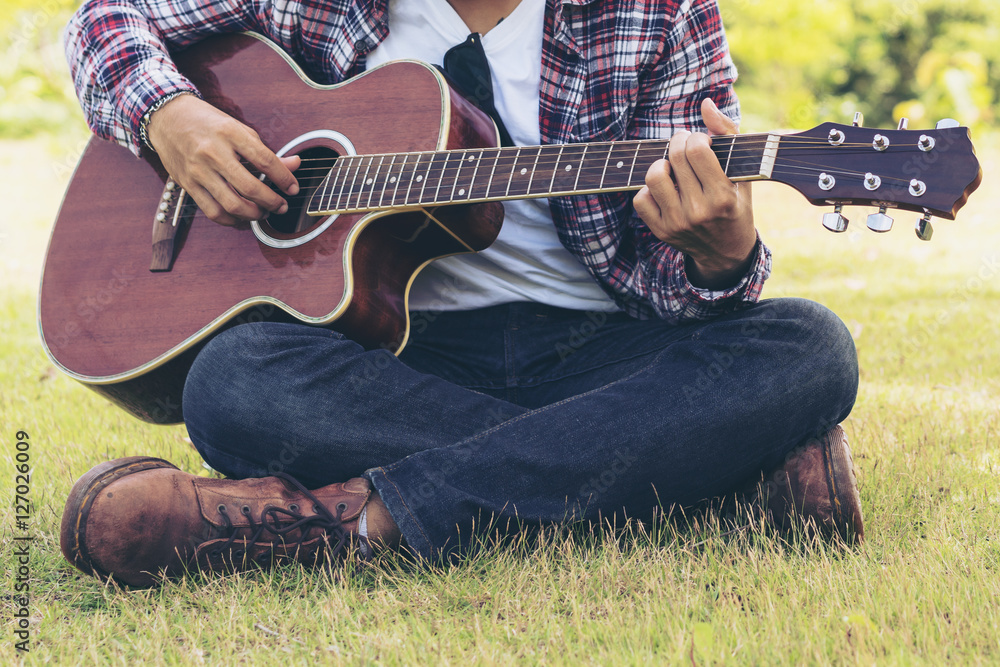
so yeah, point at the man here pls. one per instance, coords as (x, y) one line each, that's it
(605, 357)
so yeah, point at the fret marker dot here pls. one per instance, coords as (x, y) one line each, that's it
(471, 158)
(392, 180)
(369, 181)
(419, 178)
(620, 165)
(524, 170)
(569, 167)
(461, 192)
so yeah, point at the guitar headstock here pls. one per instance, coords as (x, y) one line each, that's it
(932, 172)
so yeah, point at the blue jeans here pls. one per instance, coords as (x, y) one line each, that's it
(524, 411)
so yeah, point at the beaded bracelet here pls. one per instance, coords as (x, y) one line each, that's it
(144, 123)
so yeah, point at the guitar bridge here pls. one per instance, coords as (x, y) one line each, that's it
(166, 225)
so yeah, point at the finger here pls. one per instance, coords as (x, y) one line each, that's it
(253, 189)
(716, 185)
(661, 188)
(684, 175)
(647, 208)
(292, 163)
(231, 200)
(269, 164)
(211, 208)
(705, 165)
(716, 121)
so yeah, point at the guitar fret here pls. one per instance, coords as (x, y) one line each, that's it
(322, 192)
(399, 178)
(489, 182)
(513, 167)
(444, 171)
(583, 159)
(747, 162)
(729, 155)
(413, 176)
(354, 200)
(425, 177)
(458, 172)
(534, 169)
(330, 186)
(335, 189)
(616, 176)
(475, 172)
(564, 181)
(555, 168)
(607, 161)
(634, 159)
(373, 181)
(354, 181)
(387, 180)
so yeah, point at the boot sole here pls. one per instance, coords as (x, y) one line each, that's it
(73, 532)
(843, 484)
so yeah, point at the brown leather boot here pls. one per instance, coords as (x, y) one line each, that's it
(817, 487)
(136, 518)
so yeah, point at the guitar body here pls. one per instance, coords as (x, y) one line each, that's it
(131, 333)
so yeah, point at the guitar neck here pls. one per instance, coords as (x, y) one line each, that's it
(405, 180)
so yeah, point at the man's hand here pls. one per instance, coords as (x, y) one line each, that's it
(202, 148)
(691, 204)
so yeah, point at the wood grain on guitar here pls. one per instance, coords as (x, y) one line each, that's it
(381, 198)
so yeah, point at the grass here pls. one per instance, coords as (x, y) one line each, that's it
(924, 589)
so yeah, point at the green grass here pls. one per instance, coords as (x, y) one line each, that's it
(924, 588)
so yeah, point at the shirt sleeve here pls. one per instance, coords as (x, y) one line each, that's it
(118, 52)
(696, 64)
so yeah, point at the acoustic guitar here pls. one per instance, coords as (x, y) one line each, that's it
(398, 169)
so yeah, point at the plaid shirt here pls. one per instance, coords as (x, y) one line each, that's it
(630, 69)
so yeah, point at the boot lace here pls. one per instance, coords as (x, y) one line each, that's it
(279, 523)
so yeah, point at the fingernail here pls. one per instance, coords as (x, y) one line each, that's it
(283, 209)
(294, 189)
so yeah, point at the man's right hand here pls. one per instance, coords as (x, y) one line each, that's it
(204, 150)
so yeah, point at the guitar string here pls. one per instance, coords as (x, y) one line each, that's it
(637, 151)
(748, 144)
(743, 151)
(355, 199)
(449, 171)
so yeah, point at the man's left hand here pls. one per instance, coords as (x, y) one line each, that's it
(690, 203)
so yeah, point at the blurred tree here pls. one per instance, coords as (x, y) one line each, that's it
(803, 63)
(36, 94)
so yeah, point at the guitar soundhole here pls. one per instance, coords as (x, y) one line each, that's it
(316, 162)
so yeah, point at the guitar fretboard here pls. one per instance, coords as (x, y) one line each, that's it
(404, 180)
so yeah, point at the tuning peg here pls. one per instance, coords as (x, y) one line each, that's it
(859, 119)
(947, 123)
(880, 222)
(836, 222)
(925, 230)
(904, 123)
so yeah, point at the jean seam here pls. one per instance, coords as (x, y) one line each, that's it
(416, 522)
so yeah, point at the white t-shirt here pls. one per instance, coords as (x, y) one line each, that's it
(526, 262)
